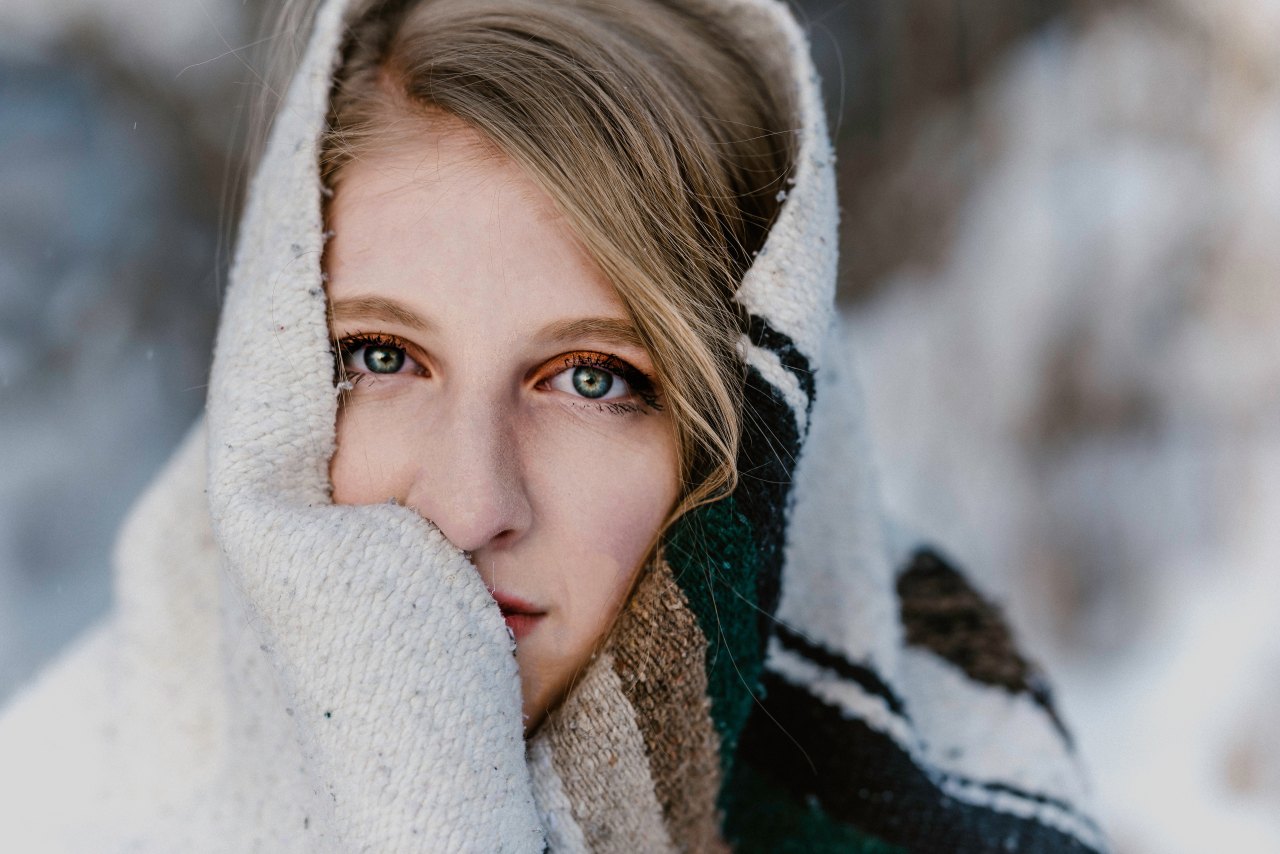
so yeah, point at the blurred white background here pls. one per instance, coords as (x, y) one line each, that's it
(1061, 267)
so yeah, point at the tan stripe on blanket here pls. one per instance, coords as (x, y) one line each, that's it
(660, 655)
(598, 753)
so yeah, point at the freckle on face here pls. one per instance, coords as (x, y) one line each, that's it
(556, 497)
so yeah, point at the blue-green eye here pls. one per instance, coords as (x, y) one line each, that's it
(375, 355)
(383, 360)
(592, 382)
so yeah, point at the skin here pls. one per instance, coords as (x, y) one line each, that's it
(450, 266)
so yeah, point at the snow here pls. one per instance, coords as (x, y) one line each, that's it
(1081, 399)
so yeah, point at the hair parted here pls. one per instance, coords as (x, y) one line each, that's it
(655, 135)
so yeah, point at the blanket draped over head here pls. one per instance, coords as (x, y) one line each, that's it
(280, 674)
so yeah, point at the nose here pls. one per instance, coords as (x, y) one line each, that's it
(469, 480)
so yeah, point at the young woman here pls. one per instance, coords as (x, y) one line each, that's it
(529, 348)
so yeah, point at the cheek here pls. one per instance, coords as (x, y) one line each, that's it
(371, 462)
(603, 504)
(611, 492)
(603, 495)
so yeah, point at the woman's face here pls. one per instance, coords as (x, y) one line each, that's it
(499, 390)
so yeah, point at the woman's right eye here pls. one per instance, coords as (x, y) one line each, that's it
(376, 356)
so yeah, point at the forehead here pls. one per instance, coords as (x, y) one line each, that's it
(445, 222)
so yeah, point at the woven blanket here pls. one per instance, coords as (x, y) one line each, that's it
(281, 674)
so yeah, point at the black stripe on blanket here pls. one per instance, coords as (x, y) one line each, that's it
(764, 335)
(941, 612)
(863, 778)
(866, 678)
(766, 460)
(871, 682)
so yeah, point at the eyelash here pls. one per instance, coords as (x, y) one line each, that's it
(641, 384)
(346, 381)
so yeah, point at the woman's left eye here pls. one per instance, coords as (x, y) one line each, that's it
(591, 382)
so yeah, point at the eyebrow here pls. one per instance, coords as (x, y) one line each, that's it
(377, 308)
(607, 330)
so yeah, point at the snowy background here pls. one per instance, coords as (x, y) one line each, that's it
(1061, 268)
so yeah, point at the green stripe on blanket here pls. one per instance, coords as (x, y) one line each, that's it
(764, 817)
(713, 556)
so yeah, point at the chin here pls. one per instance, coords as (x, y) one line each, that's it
(540, 694)
(534, 708)
(533, 695)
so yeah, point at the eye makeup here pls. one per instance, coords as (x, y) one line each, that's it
(641, 384)
(353, 367)
(386, 350)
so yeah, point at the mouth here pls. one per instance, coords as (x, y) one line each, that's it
(520, 616)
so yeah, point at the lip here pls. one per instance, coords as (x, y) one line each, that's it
(520, 615)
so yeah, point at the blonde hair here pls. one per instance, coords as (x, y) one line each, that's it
(654, 134)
